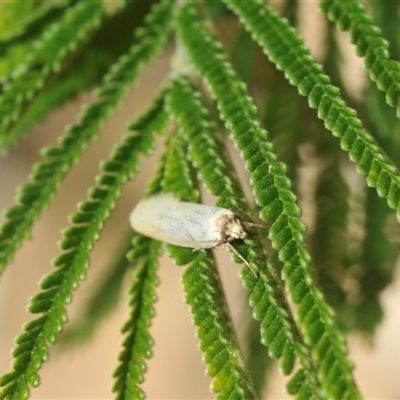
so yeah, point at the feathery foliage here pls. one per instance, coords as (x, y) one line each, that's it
(31, 350)
(221, 352)
(57, 160)
(203, 291)
(305, 288)
(307, 75)
(103, 299)
(137, 344)
(369, 44)
(47, 57)
(278, 329)
(272, 193)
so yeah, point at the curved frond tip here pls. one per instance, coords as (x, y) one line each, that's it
(367, 37)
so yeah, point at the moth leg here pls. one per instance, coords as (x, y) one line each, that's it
(242, 258)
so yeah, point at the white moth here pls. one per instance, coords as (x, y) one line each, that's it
(198, 226)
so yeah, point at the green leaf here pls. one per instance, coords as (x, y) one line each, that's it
(239, 114)
(214, 166)
(137, 344)
(351, 15)
(217, 339)
(103, 298)
(352, 233)
(303, 71)
(79, 241)
(45, 57)
(203, 289)
(75, 141)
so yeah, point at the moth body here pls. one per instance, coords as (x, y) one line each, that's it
(165, 218)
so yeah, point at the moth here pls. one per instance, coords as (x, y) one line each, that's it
(198, 226)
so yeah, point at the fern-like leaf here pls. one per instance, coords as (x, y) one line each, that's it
(54, 96)
(177, 177)
(205, 297)
(278, 330)
(46, 57)
(204, 294)
(378, 263)
(307, 75)
(138, 342)
(258, 360)
(304, 72)
(48, 173)
(31, 350)
(31, 24)
(330, 237)
(367, 37)
(286, 134)
(103, 298)
(273, 194)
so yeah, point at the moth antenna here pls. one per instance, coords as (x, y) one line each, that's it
(247, 223)
(242, 258)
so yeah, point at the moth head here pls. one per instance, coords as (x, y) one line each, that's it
(231, 228)
(236, 229)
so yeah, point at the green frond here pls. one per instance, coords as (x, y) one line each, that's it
(103, 298)
(286, 134)
(138, 342)
(386, 17)
(207, 156)
(330, 237)
(272, 193)
(259, 362)
(177, 177)
(47, 174)
(372, 265)
(333, 244)
(55, 95)
(77, 242)
(218, 342)
(206, 153)
(367, 37)
(46, 57)
(155, 185)
(203, 290)
(377, 264)
(278, 330)
(137, 345)
(304, 72)
(293, 279)
(31, 20)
